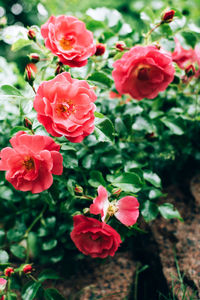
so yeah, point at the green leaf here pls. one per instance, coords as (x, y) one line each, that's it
(20, 44)
(149, 211)
(4, 257)
(49, 245)
(18, 251)
(98, 115)
(190, 38)
(18, 128)
(96, 179)
(104, 130)
(53, 294)
(2, 236)
(31, 290)
(153, 178)
(10, 90)
(48, 274)
(102, 78)
(128, 182)
(174, 125)
(168, 211)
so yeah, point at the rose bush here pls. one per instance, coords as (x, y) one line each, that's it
(94, 238)
(65, 107)
(68, 38)
(31, 161)
(119, 145)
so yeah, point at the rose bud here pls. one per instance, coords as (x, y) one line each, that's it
(8, 271)
(100, 49)
(27, 123)
(3, 283)
(2, 298)
(190, 71)
(34, 57)
(31, 34)
(116, 191)
(121, 46)
(27, 269)
(78, 189)
(59, 69)
(168, 16)
(29, 74)
(150, 136)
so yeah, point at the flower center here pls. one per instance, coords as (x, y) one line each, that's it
(143, 74)
(29, 163)
(66, 43)
(112, 209)
(65, 109)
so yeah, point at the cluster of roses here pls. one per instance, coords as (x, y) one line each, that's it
(65, 107)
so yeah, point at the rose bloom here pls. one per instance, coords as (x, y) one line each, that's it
(68, 38)
(3, 283)
(183, 57)
(94, 238)
(31, 161)
(143, 72)
(65, 107)
(126, 209)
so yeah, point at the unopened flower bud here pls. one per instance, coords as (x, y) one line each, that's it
(100, 49)
(27, 123)
(31, 34)
(3, 22)
(29, 74)
(121, 46)
(34, 57)
(59, 69)
(2, 298)
(8, 271)
(27, 269)
(116, 191)
(150, 136)
(3, 283)
(190, 71)
(78, 189)
(168, 16)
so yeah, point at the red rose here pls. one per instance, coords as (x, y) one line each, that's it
(183, 57)
(68, 38)
(31, 162)
(65, 107)
(143, 72)
(94, 238)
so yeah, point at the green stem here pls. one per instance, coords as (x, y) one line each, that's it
(34, 222)
(150, 32)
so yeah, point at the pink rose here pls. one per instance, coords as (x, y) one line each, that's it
(68, 38)
(94, 238)
(65, 107)
(143, 72)
(3, 283)
(126, 210)
(29, 165)
(181, 56)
